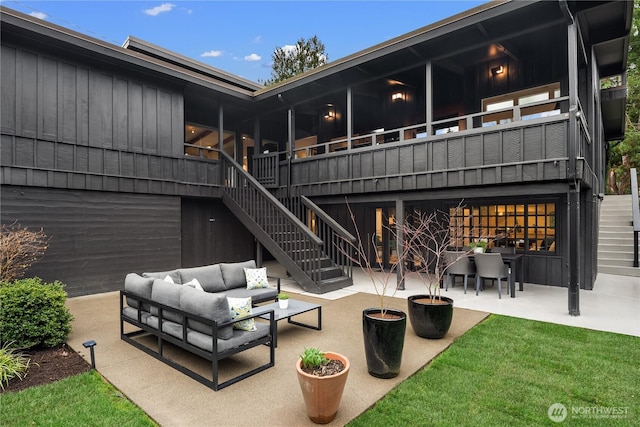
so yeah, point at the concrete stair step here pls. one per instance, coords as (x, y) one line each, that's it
(616, 262)
(620, 271)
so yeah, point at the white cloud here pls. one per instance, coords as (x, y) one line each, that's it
(39, 15)
(253, 57)
(164, 7)
(211, 54)
(257, 39)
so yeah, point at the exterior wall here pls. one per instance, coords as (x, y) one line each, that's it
(97, 237)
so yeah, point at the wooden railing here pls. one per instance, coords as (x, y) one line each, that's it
(273, 221)
(327, 229)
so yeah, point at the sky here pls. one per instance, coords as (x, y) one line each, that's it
(239, 37)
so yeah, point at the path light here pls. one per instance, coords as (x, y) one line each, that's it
(90, 344)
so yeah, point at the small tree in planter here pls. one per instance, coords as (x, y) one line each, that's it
(322, 377)
(428, 236)
(383, 328)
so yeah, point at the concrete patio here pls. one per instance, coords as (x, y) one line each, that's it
(273, 397)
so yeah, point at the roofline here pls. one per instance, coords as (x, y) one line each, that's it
(118, 53)
(374, 51)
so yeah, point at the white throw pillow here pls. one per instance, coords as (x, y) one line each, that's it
(194, 284)
(169, 279)
(256, 278)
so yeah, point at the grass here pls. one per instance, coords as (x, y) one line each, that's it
(508, 372)
(81, 400)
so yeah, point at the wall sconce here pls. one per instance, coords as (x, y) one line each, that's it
(497, 70)
(395, 96)
(329, 112)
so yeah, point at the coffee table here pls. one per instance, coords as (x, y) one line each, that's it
(295, 308)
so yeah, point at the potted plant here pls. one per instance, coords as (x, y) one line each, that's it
(283, 300)
(383, 328)
(428, 237)
(322, 377)
(479, 246)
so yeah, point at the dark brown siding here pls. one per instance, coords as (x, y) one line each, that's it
(97, 237)
(211, 234)
(56, 100)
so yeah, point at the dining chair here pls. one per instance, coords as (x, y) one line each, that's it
(491, 266)
(458, 264)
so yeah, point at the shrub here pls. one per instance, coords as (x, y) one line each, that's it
(34, 313)
(19, 249)
(12, 364)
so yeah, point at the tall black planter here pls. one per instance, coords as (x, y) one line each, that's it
(383, 341)
(430, 320)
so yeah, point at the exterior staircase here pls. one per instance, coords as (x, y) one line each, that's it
(311, 259)
(615, 239)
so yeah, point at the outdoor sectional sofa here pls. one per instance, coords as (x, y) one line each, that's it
(194, 307)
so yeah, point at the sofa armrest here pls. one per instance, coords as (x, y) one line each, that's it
(277, 282)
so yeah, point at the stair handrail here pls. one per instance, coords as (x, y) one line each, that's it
(326, 218)
(270, 197)
(635, 207)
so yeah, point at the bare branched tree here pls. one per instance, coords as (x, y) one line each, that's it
(20, 248)
(379, 277)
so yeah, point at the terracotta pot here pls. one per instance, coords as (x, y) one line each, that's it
(322, 395)
(430, 320)
(383, 341)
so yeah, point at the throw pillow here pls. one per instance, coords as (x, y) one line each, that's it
(169, 279)
(241, 307)
(193, 283)
(256, 278)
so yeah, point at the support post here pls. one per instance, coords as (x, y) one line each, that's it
(574, 256)
(400, 244)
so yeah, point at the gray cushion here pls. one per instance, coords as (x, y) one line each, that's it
(171, 328)
(140, 286)
(257, 295)
(210, 306)
(174, 274)
(239, 338)
(168, 294)
(209, 276)
(132, 314)
(233, 273)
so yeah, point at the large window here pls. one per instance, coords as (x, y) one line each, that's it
(527, 227)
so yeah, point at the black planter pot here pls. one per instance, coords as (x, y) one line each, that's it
(430, 320)
(383, 341)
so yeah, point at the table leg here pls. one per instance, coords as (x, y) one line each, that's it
(512, 278)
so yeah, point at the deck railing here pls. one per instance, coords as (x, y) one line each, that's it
(290, 235)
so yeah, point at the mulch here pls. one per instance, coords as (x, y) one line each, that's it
(48, 365)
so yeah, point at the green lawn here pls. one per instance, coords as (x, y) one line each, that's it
(508, 372)
(82, 400)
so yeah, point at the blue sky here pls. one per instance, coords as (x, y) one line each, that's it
(239, 36)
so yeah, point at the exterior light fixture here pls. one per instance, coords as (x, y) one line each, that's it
(329, 112)
(497, 70)
(397, 96)
(90, 344)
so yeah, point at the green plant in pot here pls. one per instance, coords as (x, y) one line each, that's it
(479, 245)
(383, 327)
(283, 300)
(322, 377)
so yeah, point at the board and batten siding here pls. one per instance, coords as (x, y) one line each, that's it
(96, 238)
(55, 100)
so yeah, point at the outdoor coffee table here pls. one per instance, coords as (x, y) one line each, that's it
(295, 308)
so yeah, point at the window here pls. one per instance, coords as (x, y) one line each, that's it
(533, 103)
(527, 227)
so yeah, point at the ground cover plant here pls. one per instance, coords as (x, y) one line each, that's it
(510, 371)
(80, 400)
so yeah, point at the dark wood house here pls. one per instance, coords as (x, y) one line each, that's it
(136, 158)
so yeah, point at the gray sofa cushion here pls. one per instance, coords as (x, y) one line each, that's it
(140, 286)
(239, 338)
(210, 306)
(233, 273)
(168, 294)
(174, 274)
(257, 295)
(209, 276)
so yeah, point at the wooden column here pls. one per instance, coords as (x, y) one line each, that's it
(400, 244)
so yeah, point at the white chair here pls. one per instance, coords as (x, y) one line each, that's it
(491, 266)
(458, 264)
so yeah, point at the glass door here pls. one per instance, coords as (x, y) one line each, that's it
(386, 250)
